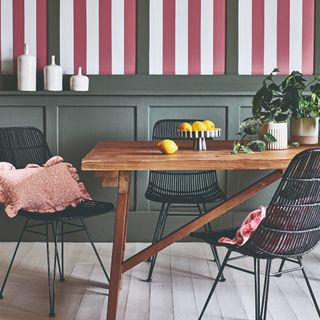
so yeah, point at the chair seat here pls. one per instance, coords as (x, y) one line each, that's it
(209, 195)
(84, 209)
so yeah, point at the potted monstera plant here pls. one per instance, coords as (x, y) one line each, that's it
(270, 113)
(303, 99)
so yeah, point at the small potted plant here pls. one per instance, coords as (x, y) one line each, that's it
(270, 112)
(304, 123)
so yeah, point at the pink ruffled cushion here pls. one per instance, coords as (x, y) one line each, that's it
(49, 188)
(248, 227)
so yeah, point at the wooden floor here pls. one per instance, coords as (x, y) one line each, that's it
(181, 282)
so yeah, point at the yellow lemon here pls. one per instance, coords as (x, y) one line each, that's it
(199, 126)
(209, 124)
(185, 126)
(168, 146)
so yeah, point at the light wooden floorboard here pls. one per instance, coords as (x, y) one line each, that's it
(181, 282)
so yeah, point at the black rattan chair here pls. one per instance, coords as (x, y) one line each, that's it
(23, 145)
(180, 188)
(290, 230)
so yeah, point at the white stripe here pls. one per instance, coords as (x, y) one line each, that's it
(181, 47)
(117, 36)
(295, 55)
(92, 36)
(245, 36)
(270, 35)
(6, 36)
(30, 25)
(206, 36)
(156, 37)
(66, 36)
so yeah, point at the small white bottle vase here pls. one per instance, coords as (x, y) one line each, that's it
(79, 82)
(27, 70)
(52, 76)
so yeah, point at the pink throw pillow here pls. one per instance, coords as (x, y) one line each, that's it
(248, 227)
(49, 188)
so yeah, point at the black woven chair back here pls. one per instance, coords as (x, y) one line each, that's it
(292, 223)
(23, 145)
(179, 185)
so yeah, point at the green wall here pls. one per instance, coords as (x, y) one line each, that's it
(119, 107)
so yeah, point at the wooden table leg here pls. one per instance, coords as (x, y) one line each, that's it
(202, 220)
(120, 232)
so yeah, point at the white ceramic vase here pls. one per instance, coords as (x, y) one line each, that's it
(52, 75)
(26, 71)
(304, 130)
(280, 131)
(79, 82)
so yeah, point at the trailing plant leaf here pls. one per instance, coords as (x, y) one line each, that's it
(257, 145)
(246, 149)
(236, 148)
(268, 137)
(295, 144)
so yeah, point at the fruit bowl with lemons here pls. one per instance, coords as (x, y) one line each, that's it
(199, 131)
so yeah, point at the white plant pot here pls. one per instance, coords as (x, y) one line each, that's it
(79, 82)
(280, 131)
(304, 130)
(52, 75)
(26, 71)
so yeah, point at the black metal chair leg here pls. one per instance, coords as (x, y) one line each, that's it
(281, 267)
(214, 250)
(159, 236)
(55, 235)
(51, 298)
(225, 260)
(264, 305)
(257, 287)
(309, 287)
(156, 231)
(62, 253)
(13, 258)
(94, 249)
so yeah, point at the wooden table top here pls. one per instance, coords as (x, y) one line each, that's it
(145, 155)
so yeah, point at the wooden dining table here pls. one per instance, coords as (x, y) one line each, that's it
(113, 162)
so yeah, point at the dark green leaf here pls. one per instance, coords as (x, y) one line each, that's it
(268, 137)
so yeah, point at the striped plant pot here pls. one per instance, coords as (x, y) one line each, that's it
(304, 130)
(280, 131)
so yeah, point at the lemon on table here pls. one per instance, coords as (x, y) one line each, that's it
(168, 146)
(199, 126)
(185, 126)
(209, 124)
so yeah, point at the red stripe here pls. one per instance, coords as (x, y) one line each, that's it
(283, 22)
(219, 37)
(18, 29)
(80, 36)
(169, 11)
(194, 26)
(308, 37)
(105, 37)
(129, 36)
(42, 49)
(258, 36)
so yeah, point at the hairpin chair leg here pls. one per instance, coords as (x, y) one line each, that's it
(94, 249)
(158, 237)
(257, 287)
(281, 267)
(156, 231)
(309, 287)
(13, 258)
(55, 236)
(62, 253)
(214, 250)
(215, 283)
(265, 295)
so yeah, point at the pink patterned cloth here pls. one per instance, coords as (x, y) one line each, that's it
(249, 226)
(48, 188)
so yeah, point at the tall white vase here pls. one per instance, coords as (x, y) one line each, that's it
(27, 70)
(79, 82)
(52, 75)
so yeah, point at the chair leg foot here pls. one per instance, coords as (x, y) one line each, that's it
(52, 314)
(61, 279)
(1, 296)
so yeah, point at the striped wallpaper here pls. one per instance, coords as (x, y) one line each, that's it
(276, 34)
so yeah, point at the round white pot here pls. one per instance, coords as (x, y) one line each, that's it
(280, 131)
(304, 130)
(26, 71)
(52, 76)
